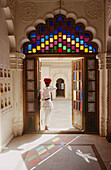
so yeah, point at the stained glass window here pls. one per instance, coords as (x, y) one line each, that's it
(60, 35)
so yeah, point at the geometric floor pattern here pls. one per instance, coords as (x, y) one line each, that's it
(60, 150)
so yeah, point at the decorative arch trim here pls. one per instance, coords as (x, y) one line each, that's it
(60, 35)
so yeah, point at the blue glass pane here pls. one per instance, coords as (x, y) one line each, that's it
(42, 40)
(63, 20)
(60, 18)
(33, 35)
(87, 35)
(38, 42)
(77, 39)
(68, 23)
(68, 34)
(51, 34)
(86, 45)
(71, 25)
(94, 50)
(60, 29)
(51, 23)
(56, 20)
(80, 96)
(80, 30)
(46, 37)
(90, 47)
(42, 28)
(73, 37)
(29, 47)
(77, 28)
(55, 31)
(64, 31)
(81, 42)
(74, 75)
(26, 50)
(39, 31)
(34, 45)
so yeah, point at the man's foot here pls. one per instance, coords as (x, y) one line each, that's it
(46, 128)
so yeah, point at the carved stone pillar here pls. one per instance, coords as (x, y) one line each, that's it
(102, 73)
(16, 64)
(108, 67)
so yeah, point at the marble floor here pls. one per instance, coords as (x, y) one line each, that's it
(57, 152)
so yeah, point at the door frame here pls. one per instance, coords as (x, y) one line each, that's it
(36, 57)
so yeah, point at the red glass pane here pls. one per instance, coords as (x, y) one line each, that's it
(80, 65)
(80, 106)
(60, 50)
(77, 95)
(75, 105)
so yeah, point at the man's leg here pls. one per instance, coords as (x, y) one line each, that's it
(47, 117)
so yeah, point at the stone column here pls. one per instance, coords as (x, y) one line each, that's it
(16, 64)
(108, 67)
(102, 125)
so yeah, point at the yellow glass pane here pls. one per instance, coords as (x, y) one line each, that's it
(55, 37)
(74, 95)
(68, 39)
(38, 48)
(90, 51)
(51, 39)
(29, 51)
(42, 45)
(34, 50)
(60, 34)
(86, 50)
(73, 42)
(77, 44)
(81, 47)
(77, 75)
(64, 37)
(47, 42)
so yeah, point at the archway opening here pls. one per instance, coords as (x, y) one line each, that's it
(60, 92)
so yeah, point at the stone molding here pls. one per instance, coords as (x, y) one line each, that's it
(93, 10)
(16, 60)
(108, 63)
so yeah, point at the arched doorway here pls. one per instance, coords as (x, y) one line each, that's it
(61, 37)
(60, 92)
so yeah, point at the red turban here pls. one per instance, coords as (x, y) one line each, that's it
(47, 80)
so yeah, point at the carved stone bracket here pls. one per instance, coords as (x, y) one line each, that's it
(108, 62)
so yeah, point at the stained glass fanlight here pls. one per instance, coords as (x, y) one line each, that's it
(60, 35)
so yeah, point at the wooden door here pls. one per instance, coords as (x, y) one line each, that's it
(77, 94)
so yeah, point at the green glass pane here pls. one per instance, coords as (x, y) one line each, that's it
(73, 51)
(68, 50)
(64, 47)
(55, 48)
(47, 51)
(51, 50)
(60, 44)
(77, 65)
(77, 85)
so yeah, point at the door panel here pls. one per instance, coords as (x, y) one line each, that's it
(77, 88)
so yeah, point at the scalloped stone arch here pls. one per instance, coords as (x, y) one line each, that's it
(65, 78)
(68, 15)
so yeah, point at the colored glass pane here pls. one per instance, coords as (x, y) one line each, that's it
(55, 48)
(38, 48)
(59, 29)
(86, 50)
(55, 42)
(51, 45)
(68, 44)
(47, 47)
(55, 31)
(38, 42)
(64, 31)
(73, 47)
(73, 42)
(74, 75)
(94, 50)
(34, 45)
(59, 18)
(80, 96)
(47, 42)
(77, 105)
(86, 39)
(64, 47)
(33, 39)
(81, 42)
(81, 37)
(77, 44)
(42, 45)
(51, 50)
(87, 35)
(68, 23)
(42, 28)
(77, 28)
(80, 65)
(60, 45)
(74, 105)
(55, 37)
(68, 50)
(85, 45)
(80, 31)
(60, 34)
(33, 35)
(90, 51)
(47, 37)
(60, 39)
(51, 23)
(77, 50)
(34, 50)
(77, 65)
(60, 50)
(64, 42)
(38, 37)
(73, 37)
(77, 39)
(80, 106)
(29, 47)
(29, 51)
(81, 47)
(42, 40)
(26, 50)
(68, 34)
(64, 37)
(74, 95)
(77, 95)
(42, 50)
(51, 39)
(80, 86)
(77, 75)
(77, 85)
(68, 39)
(51, 34)
(90, 47)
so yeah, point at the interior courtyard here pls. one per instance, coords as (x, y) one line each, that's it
(68, 41)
